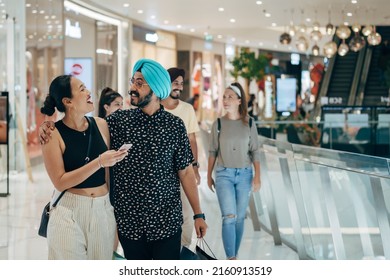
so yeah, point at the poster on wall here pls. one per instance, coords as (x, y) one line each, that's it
(286, 92)
(196, 73)
(269, 97)
(3, 118)
(81, 68)
(217, 84)
(196, 82)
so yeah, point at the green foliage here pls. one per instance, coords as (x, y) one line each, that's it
(248, 66)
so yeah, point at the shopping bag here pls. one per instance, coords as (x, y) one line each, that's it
(203, 250)
(187, 254)
(117, 256)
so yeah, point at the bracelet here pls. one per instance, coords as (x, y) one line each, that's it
(201, 215)
(195, 164)
(100, 164)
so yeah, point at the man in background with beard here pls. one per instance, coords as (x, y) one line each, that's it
(186, 112)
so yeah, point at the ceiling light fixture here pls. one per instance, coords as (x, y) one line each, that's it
(374, 38)
(285, 38)
(329, 27)
(343, 48)
(315, 50)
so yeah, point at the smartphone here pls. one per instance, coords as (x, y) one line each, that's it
(125, 147)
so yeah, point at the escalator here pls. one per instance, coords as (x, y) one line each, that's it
(375, 92)
(342, 78)
(339, 84)
(357, 81)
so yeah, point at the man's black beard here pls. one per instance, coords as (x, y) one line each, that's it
(142, 103)
(175, 97)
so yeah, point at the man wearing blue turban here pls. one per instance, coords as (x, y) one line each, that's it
(145, 186)
(147, 199)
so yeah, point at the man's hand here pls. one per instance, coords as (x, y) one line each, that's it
(44, 131)
(200, 227)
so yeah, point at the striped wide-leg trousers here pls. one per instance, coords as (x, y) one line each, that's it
(81, 228)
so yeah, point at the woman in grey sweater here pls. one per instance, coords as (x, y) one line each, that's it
(234, 149)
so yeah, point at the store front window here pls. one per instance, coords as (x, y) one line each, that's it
(44, 61)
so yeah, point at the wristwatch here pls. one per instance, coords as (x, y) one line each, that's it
(195, 164)
(201, 215)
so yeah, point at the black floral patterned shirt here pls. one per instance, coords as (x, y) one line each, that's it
(147, 186)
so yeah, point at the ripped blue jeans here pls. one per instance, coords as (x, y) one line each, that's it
(233, 187)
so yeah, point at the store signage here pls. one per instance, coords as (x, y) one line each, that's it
(295, 59)
(73, 31)
(208, 37)
(151, 37)
(335, 100)
(286, 95)
(385, 99)
(331, 100)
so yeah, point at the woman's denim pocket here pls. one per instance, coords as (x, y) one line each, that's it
(220, 168)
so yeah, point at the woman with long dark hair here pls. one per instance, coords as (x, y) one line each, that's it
(109, 102)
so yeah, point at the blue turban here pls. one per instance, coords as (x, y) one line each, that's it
(155, 75)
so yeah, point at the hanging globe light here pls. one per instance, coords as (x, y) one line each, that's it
(315, 35)
(302, 44)
(374, 38)
(356, 27)
(302, 28)
(357, 42)
(315, 50)
(285, 38)
(316, 26)
(343, 32)
(330, 49)
(343, 49)
(291, 30)
(329, 29)
(367, 30)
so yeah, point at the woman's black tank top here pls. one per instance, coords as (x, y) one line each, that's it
(76, 145)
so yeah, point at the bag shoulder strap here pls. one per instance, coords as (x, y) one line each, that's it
(58, 199)
(91, 121)
(219, 132)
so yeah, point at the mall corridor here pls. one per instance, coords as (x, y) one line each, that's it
(20, 215)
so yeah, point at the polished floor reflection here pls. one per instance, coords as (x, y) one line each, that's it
(20, 215)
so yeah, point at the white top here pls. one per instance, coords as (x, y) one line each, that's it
(186, 112)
